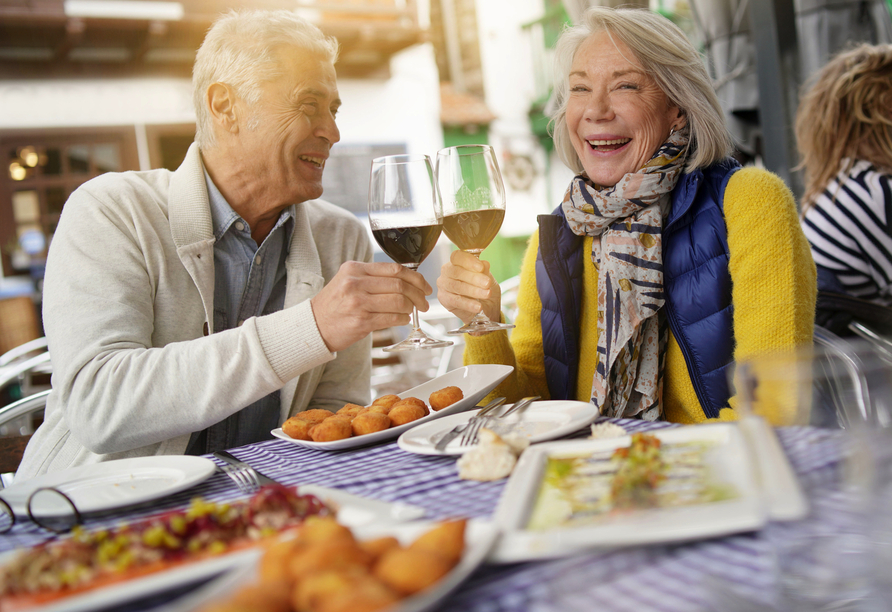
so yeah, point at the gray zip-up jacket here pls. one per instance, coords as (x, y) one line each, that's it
(128, 312)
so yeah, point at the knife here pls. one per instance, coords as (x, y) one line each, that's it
(449, 436)
(230, 458)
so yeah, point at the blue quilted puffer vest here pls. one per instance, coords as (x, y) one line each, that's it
(695, 276)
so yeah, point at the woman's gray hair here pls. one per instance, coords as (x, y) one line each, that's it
(240, 50)
(667, 55)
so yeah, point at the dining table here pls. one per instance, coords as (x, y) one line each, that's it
(742, 571)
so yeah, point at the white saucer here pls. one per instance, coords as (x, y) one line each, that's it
(540, 422)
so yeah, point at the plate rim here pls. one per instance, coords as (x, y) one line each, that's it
(119, 593)
(483, 534)
(515, 502)
(197, 470)
(405, 445)
(394, 432)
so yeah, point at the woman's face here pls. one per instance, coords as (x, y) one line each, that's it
(617, 116)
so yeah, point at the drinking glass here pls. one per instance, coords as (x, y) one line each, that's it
(473, 208)
(406, 221)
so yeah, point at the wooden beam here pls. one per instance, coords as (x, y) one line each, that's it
(74, 33)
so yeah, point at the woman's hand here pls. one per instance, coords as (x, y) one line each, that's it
(466, 287)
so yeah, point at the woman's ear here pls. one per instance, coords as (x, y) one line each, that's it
(681, 121)
(221, 101)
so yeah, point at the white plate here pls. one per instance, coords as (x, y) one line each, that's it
(359, 513)
(355, 511)
(115, 484)
(540, 422)
(479, 539)
(475, 381)
(783, 495)
(731, 464)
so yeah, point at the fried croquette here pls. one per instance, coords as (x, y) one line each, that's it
(413, 401)
(446, 540)
(379, 409)
(330, 555)
(316, 587)
(329, 430)
(445, 397)
(379, 546)
(409, 570)
(273, 566)
(317, 529)
(366, 595)
(350, 409)
(400, 415)
(316, 415)
(297, 428)
(369, 422)
(268, 596)
(386, 400)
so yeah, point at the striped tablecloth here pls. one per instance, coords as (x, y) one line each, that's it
(703, 575)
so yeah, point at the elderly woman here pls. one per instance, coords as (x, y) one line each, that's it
(665, 262)
(844, 133)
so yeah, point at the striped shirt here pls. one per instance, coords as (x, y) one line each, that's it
(849, 230)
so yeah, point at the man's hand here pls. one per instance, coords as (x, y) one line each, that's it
(466, 287)
(364, 297)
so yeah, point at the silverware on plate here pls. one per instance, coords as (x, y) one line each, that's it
(458, 429)
(471, 433)
(231, 459)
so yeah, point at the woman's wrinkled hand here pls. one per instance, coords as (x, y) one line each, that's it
(465, 287)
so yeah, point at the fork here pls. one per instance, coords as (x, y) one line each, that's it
(475, 423)
(246, 480)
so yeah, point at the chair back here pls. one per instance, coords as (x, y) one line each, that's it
(24, 373)
(19, 322)
(18, 419)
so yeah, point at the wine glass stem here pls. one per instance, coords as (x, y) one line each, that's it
(415, 318)
(480, 317)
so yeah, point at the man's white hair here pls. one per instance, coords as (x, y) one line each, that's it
(240, 50)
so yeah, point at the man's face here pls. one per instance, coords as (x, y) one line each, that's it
(288, 134)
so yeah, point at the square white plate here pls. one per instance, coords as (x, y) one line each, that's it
(479, 539)
(475, 381)
(730, 463)
(540, 422)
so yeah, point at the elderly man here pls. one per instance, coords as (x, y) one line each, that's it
(195, 310)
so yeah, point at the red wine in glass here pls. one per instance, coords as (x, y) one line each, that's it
(406, 218)
(408, 245)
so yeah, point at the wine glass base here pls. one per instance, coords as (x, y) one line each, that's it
(482, 327)
(415, 343)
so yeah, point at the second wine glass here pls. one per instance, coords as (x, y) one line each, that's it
(406, 221)
(473, 194)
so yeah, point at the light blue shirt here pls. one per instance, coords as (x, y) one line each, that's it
(249, 281)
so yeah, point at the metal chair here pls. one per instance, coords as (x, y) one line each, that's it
(27, 373)
(19, 419)
(847, 379)
(19, 352)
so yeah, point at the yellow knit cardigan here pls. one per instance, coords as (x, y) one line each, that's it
(774, 292)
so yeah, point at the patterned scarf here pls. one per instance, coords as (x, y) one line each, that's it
(627, 220)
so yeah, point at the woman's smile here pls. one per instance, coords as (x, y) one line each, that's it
(617, 115)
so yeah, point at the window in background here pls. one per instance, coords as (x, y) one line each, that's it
(42, 168)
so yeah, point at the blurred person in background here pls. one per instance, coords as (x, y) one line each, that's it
(844, 134)
(196, 310)
(666, 261)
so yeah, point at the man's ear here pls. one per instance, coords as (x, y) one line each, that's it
(221, 101)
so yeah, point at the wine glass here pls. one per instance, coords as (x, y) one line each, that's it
(406, 221)
(473, 208)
